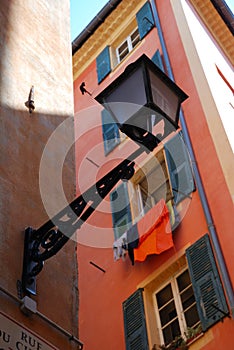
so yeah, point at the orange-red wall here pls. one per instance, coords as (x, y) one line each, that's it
(102, 293)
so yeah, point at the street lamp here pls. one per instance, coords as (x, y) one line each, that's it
(139, 98)
(139, 95)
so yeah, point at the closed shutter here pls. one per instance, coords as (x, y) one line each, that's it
(179, 166)
(134, 322)
(110, 132)
(145, 20)
(208, 291)
(157, 59)
(103, 64)
(120, 207)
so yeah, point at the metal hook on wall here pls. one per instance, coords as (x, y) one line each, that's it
(30, 102)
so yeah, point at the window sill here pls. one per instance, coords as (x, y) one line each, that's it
(118, 65)
(190, 344)
(192, 341)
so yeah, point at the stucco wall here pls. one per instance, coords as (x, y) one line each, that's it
(35, 50)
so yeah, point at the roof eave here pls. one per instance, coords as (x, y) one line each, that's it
(94, 24)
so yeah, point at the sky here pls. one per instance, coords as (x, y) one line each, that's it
(83, 11)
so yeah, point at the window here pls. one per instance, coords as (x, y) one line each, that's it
(134, 322)
(154, 184)
(209, 294)
(176, 308)
(166, 175)
(145, 20)
(138, 29)
(103, 64)
(176, 303)
(110, 132)
(120, 207)
(128, 45)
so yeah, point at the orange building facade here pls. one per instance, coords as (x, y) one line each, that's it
(31, 36)
(155, 258)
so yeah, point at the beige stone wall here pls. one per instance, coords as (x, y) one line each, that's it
(35, 50)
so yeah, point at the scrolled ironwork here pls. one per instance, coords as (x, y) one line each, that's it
(48, 240)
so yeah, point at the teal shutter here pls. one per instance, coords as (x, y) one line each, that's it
(145, 20)
(120, 207)
(208, 291)
(180, 171)
(134, 322)
(157, 59)
(103, 64)
(110, 132)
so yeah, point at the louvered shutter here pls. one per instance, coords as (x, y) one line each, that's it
(120, 207)
(134, 322)
(157, 59)
(145, 20)
(206, 283)
(103, 64)
(110, 132)
(179, 166)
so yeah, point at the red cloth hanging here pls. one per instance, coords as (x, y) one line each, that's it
(155, 234)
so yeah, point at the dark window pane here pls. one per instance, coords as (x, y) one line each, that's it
(134, 35)
(191, 316)
(135, 38)
(164, 296)
(183, 280)
(171, 332)
(123, 47)
(187, 298)
(123, 50)
(123, 54)
(168, 313)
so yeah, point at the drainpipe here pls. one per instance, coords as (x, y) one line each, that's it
(200, 187)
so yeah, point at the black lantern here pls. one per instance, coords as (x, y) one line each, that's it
(140, 98)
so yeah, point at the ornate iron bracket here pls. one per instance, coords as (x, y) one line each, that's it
(46, 241)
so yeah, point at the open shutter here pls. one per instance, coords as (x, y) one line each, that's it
(208, 291)
(103, 64)
(134, 322)
(145, 20)
(180, 171)
(121, 212)
(110, 132)
(157, 59)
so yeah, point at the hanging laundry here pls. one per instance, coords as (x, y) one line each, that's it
(132, 241)
(119, 247)
(174, 215)
(154, 230)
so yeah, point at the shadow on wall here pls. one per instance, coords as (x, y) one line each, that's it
(23, 139)
(4, 34)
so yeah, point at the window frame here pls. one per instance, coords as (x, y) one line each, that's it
(178, 304)
(161, 167)
(130, 46)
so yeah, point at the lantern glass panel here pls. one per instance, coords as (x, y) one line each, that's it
(163, 97)
(131, 90)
